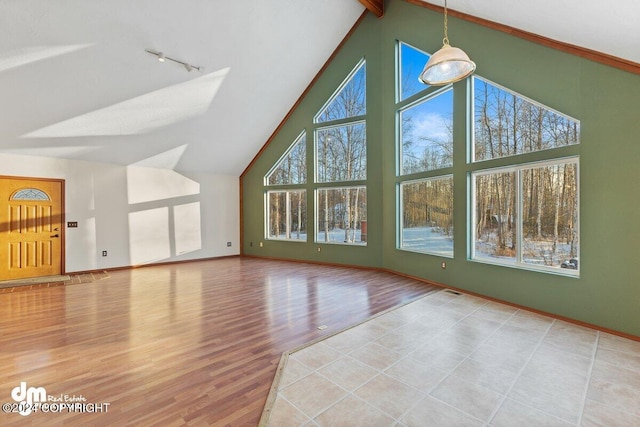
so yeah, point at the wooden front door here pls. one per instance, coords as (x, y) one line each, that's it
(31, 227)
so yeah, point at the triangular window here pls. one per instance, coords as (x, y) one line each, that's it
(349, 100)
(292, 167)
(411, 61)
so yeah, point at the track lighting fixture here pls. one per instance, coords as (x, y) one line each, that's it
(162, 58)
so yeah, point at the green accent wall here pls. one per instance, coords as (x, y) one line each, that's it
(604, 99)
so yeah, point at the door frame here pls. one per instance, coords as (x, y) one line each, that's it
(63, 225)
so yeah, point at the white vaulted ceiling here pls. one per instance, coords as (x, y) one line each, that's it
(76, 82)
(610, 27)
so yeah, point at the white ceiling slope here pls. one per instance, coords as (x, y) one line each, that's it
(611, 27)
(76, 81)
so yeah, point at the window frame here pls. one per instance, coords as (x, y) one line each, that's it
(302, 136)
(316, 117)
(286, 188)
(471, 150)
(288, 215)
(318, 129)
(319, 126)
(400, 213)
(400, 98)
(354, 185)
(518, 169)
(403, 106)
(311, 186)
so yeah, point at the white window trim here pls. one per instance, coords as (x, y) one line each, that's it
(281, 159)
(398, 70)
(399, 137)
(400, 215)
(289, 231)
(518, 169)
(316, 157)
(316, 215)
(345, 82)
(471, 102)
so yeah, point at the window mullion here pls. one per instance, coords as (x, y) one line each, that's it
(518, 215)
(288, 214)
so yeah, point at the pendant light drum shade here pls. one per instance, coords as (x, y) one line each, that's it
(448, 65)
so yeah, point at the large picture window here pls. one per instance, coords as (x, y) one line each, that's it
(426, 208)
(424, 148)
(287, 215)
(527, 215)
(426, 134)
(340, 156)
(286, 205)
(341, 153)
(339, 159)
(342, 215)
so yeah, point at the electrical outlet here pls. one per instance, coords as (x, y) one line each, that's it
(261, 244)
(443, 265)
(228, 244)
(104, 253)
(318, 248)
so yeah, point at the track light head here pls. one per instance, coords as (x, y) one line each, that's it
(162, 58)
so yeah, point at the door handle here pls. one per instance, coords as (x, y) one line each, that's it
(56, 229)
(55, 235)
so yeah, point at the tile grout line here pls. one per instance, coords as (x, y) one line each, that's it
(283, 397)
(586, 389)
(382, 372)
(519, 374)
(405, 354)
(428, 394)
(317, 372)
(349, 393)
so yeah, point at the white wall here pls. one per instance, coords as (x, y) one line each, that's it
(139, 215)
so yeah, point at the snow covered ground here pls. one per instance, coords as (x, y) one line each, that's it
(427, 239)
(538, 253)
(431, 240)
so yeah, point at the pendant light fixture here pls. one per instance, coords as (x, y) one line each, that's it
(449, 64)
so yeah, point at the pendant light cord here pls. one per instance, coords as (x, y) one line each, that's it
(445, 40)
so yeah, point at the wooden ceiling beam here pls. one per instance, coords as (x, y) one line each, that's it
(374, 6)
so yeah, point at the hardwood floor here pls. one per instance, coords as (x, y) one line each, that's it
(185, 344)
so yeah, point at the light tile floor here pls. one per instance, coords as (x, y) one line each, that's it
(459, 360)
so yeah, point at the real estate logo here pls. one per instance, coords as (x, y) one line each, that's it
(27, 397)
(27, 400)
